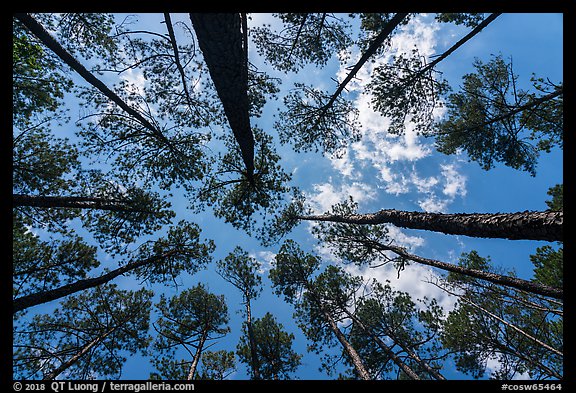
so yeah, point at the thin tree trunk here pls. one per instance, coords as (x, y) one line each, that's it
(374, 45)
(78, 355)
(348, 348)
(253, 352)
(504, 322)
(529, 105)
(220, 38)
(72, 202)
(528, 225)
(170, 28)
(411, 373)
(38, 30)
(457, 45)
(528, 286)
(196, 359)
(424, 364)
(37, 298)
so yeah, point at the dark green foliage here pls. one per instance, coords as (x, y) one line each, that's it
(39, 265)
(182, 250)
(308, 123)
(407, 90)
(105, 322)
(233, 196)
(241, 270)
(186, 322)
(217, 365)
(277, 360)
(557, 194)
(461, 18)
(549, 266)
(493, 120)
(292, 270)
(89, 34)
(305, 38)
(370, 26)
(38, 83)
(522, 332)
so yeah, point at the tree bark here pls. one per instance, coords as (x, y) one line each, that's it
(528, 225)
(524, 285)
(78, 355)
(411, 373)
(38, 30)
(196, 359)
(348, 348)
(37, 298)
(72, 202)
(221, 41)
(253, 353)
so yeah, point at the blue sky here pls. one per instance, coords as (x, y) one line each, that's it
(384, 171)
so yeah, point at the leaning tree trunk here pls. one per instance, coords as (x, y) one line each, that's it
(513, 282)
(348, 348)
(44, 36)
(73, 202)
(387, 350)
(37, 298)
(223, 45)
(372, 49)
(85, 349)
(196, 359)
(527, 225)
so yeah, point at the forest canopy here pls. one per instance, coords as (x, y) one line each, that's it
(370, 196)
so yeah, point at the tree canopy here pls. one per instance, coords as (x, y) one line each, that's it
(192, 192)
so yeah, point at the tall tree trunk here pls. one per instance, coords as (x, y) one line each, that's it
(221, 41)
(528, 225)
(255, 363)
(72, 202)
(403, 366)
(524, 285)
(37, 298)
(197, 355)
(78, 355)
(348, 348)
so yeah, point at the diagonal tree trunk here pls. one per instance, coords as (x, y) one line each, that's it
(85, 349)
(528, 225)
(411, 373)
(348, 348)
(37, 298)
(223, 45)
(72, 202)
(38, 30)
(518, 283)
(374, 45)
(196, 359)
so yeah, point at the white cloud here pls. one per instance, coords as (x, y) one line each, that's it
(266, 259)
(455, 183)
(413, 280)
(431, 203)
(326, 194)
